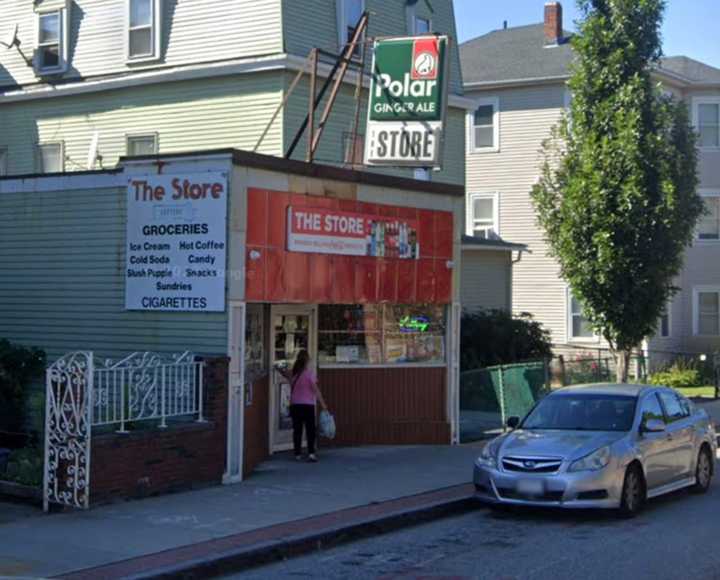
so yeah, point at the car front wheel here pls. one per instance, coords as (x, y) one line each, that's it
(703, 471)
(633, 492)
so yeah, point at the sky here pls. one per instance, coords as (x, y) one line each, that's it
(691, 27)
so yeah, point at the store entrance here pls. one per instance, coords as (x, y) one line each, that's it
(293, 328)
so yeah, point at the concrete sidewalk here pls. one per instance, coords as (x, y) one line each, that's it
(281, 491)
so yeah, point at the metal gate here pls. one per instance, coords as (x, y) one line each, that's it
(69, 390)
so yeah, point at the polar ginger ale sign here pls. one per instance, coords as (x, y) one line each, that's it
(407, 102)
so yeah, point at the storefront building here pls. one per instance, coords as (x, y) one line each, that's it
(363, 272)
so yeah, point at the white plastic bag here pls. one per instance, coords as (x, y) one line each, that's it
(327, 425)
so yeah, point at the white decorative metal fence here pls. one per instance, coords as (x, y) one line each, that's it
(82, 393)
(145, 386)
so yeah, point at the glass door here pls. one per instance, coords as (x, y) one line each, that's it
(293, 329)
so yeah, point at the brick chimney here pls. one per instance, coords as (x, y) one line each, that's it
(553, 23)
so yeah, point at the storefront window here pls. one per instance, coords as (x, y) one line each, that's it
(255, 355)
(381, 334)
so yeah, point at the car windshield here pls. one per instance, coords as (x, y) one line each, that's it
(583, 412)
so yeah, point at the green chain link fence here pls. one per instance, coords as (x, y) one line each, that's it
(490, 395)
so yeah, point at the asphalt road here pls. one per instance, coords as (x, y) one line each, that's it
(677, 537)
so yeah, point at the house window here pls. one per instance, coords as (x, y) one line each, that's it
(483, 216)
(51, 39)
(3, 161)
(579, 325)
(707, 121)
(50, 158)
(349, 13)
(707, 311)
(141, 145)
(709, 224)
(422, 26)
(143, 20)
(664, 322)
(484, 127)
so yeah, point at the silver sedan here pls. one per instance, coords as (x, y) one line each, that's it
(599, 446)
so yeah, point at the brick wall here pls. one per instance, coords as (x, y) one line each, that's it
(155, 461)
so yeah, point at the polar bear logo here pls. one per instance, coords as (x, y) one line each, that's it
(425, 65)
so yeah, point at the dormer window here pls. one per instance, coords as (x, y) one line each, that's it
(349, 13)
(50, 55)
(143, 40)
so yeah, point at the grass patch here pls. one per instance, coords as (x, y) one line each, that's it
(706, 391)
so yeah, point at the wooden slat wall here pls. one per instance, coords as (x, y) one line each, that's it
(387, 406)
(257, 445)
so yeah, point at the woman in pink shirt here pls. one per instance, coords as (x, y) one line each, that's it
(305, 394)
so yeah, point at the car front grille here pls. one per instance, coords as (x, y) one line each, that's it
(532, 464)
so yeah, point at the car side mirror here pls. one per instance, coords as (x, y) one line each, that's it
(513, 422)
(653, 426)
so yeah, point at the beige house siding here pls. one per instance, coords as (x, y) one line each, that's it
(486, 280)
(198, 31)
(215, 113)
(526, 117)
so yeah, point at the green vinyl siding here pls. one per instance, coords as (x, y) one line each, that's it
(341, 120)
(194, 115)
(62, 285)
(311, 23)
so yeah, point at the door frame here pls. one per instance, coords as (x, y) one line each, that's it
(310, 310)
(235, 458)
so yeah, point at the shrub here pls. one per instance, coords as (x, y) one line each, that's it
(19, 366)
(586, 368)
(677, 378)
(25, 466)
(494, 337)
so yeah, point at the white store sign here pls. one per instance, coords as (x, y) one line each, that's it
(176, 242)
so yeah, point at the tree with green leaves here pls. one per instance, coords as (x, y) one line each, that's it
(617, 198)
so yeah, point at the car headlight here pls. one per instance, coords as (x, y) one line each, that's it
(596, 460)
(488, 456)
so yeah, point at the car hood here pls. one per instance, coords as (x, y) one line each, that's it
(552, 443)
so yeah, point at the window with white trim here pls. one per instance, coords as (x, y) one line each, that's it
(579, 327)
(50, 55)
(706, 306)
(143, 39)
(3, 161)
(50, 158)
(349, 13)
(709, 224)
(485, 127)
(141, 145)
(706, 116)
(483, 216)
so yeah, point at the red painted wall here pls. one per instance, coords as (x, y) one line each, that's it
(281, 276)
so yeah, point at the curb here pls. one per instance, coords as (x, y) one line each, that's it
(221, 557)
